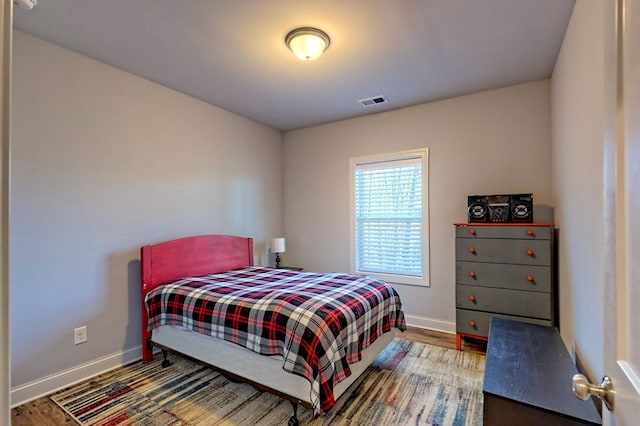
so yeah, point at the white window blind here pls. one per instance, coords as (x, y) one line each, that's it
(389, 216)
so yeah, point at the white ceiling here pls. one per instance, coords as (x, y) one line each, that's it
(231, 53)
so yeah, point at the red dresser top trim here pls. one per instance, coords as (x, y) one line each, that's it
(503, 224)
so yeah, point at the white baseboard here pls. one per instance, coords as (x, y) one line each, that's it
(47, 385)
(42, 387)
(431, 324)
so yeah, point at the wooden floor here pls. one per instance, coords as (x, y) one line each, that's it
(43, 412)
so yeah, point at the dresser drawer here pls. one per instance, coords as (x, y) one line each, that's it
(517, 277)
(522, 252)
(509, 302)
(510, 232)
(477, 323)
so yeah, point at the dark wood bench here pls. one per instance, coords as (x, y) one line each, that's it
(528, 376)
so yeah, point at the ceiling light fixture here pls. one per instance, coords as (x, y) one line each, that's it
(307, 43)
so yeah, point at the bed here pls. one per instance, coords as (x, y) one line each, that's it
(303, 336)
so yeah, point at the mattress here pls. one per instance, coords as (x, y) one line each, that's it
(263, 369)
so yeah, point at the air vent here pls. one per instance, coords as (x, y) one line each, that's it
(376, 100)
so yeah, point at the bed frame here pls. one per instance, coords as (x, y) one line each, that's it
(207, 254)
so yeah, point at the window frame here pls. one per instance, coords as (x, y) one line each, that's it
(423, 155)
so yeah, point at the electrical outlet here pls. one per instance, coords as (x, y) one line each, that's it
(80, 335)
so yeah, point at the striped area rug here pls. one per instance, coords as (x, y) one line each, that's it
(408, 384)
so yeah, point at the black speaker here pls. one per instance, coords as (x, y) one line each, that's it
(521, 208)
(477, 208)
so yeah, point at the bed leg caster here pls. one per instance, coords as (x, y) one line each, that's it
(165, 362)
(293, 420)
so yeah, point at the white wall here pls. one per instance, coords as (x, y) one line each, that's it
(487, 143)
(102, 163)
(578, 135)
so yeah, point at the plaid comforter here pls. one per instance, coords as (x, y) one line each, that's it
(319, 323)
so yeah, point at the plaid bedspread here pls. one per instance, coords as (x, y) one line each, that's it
(319, 323)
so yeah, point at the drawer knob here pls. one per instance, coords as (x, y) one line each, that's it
(529, 278)
(472, 298)
(472, 250)
(529, 232)
(472, 231)
(472, 274)
(529, 252)
(472, 323)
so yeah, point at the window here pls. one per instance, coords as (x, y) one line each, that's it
(389, 232)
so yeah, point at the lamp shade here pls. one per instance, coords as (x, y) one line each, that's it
(307, 43)
(277, 245)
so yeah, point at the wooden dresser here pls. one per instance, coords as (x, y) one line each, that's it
(503, 270)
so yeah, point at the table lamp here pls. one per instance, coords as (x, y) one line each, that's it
(277, 247)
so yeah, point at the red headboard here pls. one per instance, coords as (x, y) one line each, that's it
(191, 256)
